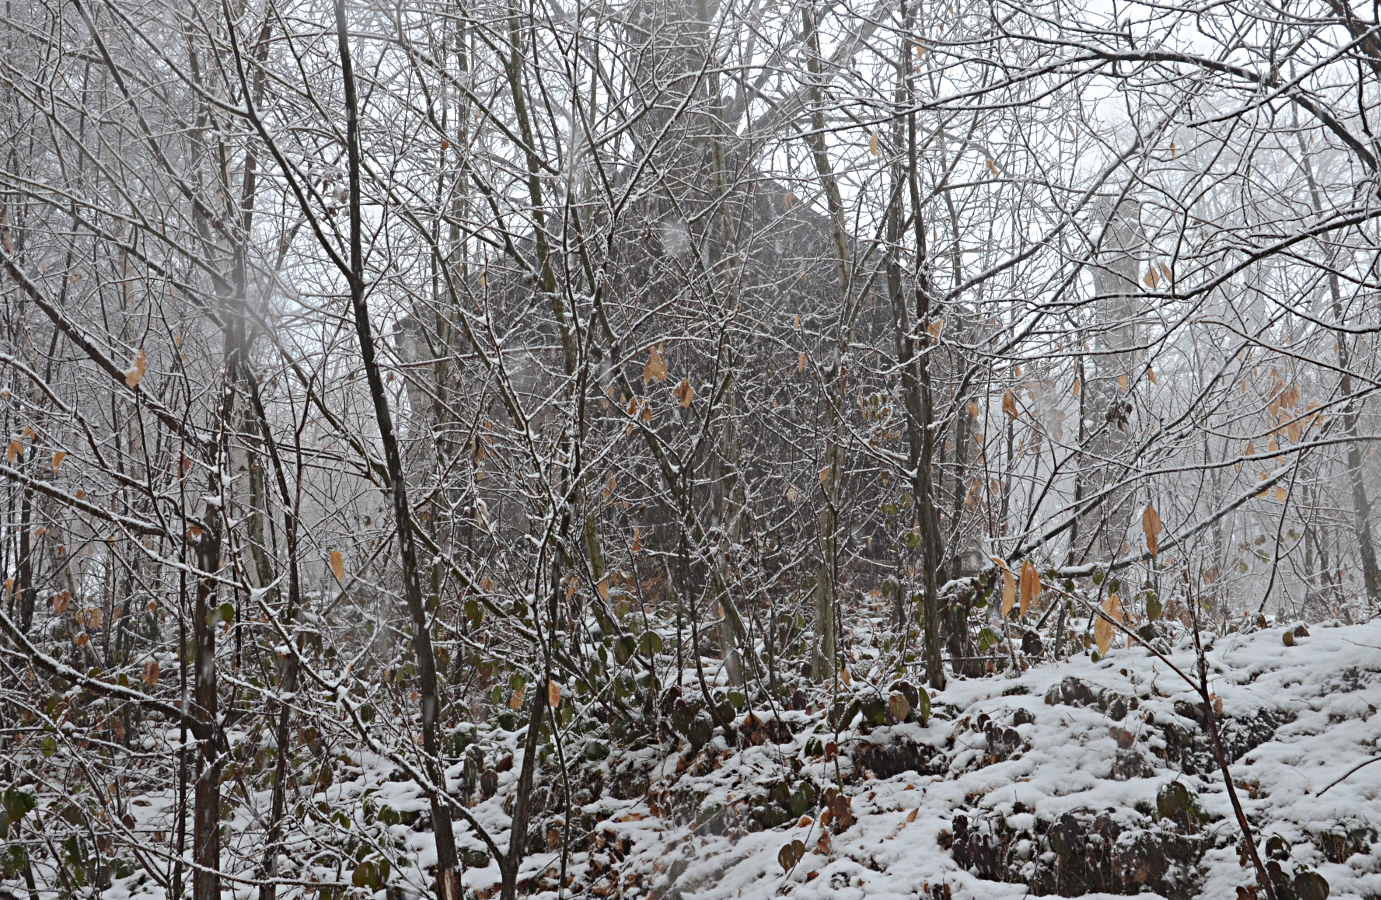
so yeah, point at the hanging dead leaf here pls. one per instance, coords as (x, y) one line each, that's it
(934, 328)
(1103, 630)
(516, 701)
(15, 448)
(553, 694)
(845, 677)
(338, 565)
(1077, 387)
(684, 392)
(1251, 448)
(1281, 494)
(58, 457)
(1030, 586)
(1009, 591)
(824, 474)
(1292, 431)
(1152, 526)
(1165, 272)
(604, 589)
(793, 493)
(1151, 375)
(789, 200)
(800, 362)
(637, 545)
(973, 410)
(1009, 403)
(1151, 278)
(60, 602)
(150, 676)
(1122, 383)
(136, 371)
(656, 367)
(992, 167)
(647, 411)
(873, 144)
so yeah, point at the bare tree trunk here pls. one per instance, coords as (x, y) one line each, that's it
(827, 584)
(447, 875)
(1361, 504)
(206, 800)
(915, 377)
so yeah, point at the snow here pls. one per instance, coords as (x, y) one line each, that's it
(1328, 683)
(692, 832)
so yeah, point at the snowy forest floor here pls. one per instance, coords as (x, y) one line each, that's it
(1078, 779)
(1059, 781)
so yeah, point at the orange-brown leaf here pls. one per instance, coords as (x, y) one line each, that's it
(684, 392)
(1103, 630)
(1009, 403)
(1030, 586)
(1152, 526)
(656, 366)
(338, 565)
(138, 367)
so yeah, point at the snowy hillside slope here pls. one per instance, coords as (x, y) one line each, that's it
(1062, 779)
(1085, 778)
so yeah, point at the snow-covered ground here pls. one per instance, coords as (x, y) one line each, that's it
(1032, 766)
(1083, 778)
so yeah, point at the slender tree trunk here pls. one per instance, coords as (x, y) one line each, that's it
(919, 401)
(447, 875)
(1361, 504)
(206, 798)
(827, 583)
